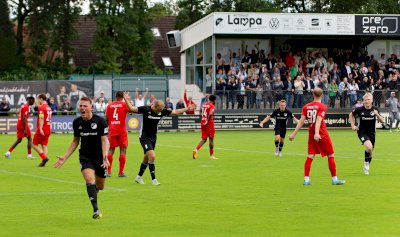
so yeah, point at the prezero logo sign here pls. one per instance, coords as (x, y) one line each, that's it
(377, 25)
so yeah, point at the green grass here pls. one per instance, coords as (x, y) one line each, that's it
(247, 192)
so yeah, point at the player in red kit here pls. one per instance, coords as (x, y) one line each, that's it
(207, 127)
(319, 141)
(43, 129)
(23, 129)
(117, 134)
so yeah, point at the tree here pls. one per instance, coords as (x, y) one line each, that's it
(7, 42)
(123, 38)
(160, 9)
(190, 11)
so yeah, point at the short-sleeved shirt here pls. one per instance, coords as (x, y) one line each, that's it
(365, 119)
(281, 118)
(311, 111)
(44, 110)
(150, 121)
(116, 118)
(90, 133)
(206, 119)
(23, 112)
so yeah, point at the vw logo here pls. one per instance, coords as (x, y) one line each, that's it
(300, 21)
(274, 23)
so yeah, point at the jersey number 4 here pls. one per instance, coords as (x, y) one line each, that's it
(115, 114)
(312, 115)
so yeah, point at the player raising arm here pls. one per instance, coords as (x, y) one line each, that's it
(319, 141)
(152, 115)
(91, 130)
(366, 116)
(281, 116)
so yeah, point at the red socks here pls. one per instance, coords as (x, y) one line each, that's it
(122, 161)
(198, 147)
(307, 166)
(332, 165)
(29, 151)
(211, 151)
(110, 160)
(42, 155)
(11, 149)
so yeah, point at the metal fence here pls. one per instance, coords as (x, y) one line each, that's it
(260, 99)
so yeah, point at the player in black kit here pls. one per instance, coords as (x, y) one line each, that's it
(91, 130)
(148, 137)
(281, 116)
(363, 120)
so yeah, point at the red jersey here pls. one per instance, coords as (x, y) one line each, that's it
(45, 111)
(312, 111)
(188, 103)
(23, 113)
(116, 118)
(207, 114)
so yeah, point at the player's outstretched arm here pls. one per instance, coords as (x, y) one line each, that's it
(128, 103)
(379, 116)
(105, 147)
(265, 120)
(295, 120)
(62, 159)
(298, 126)
(177, 112)
(352, 121)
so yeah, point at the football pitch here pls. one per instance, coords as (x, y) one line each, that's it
(246, 192)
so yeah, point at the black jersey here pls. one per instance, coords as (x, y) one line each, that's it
(150, 120)
(281, 117)
(365, 119)
(90, 132)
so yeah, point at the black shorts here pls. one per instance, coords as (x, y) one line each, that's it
(363, 136)
(95, 165)
(280, 131)
(148, 143)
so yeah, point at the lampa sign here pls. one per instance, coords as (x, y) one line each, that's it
(377, 25)
(245, 21)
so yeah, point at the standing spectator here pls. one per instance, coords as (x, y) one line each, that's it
(43, 129)
(148, 137)
(393, 104)
(242, 92)
(324, 85)
(308, 89)
(4, 106)
(289, 60)
(99, 107)
(91, 131)
(105, 100)
(151, 100)
(139, 98)
(231, 89)
(75, 95)
(189, 102)
(117, 134)
(267, 93)
(343, 92)
(259, 95)
(366, 117)
(168, 104)
(333, 89)
(207, 127)
(378, 95)
(319, 141)
(289, 89)
(298, 92)
(353, 88)
(23, 129)
(278, 87)
(209, 79)
(281, 115)
(61, 96)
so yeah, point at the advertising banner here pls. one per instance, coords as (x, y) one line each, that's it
(377, 25)
(281, 24)
(63, 123)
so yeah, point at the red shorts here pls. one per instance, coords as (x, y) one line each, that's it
(323, 146)
(40, 139)
(207, 132)
(21, 134)
(118, 141)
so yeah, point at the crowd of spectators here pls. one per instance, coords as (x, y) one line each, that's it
(258, 80)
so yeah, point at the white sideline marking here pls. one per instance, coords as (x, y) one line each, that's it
(57, 180)
(36, 193)
(284, 153)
